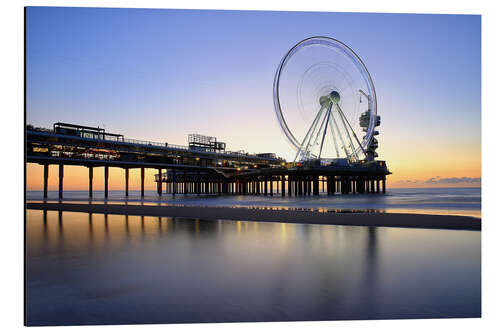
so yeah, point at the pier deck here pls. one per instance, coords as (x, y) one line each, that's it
(193, 169)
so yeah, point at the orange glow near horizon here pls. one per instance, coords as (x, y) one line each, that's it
(77, 178)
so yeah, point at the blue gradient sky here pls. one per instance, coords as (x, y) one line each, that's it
(161, 74)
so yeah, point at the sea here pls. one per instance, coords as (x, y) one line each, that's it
(97, 269)
(441, 201)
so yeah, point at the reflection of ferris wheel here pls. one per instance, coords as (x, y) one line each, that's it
(325, 101)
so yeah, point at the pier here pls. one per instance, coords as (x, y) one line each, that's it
(202, 167)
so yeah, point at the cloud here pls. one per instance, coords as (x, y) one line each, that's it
(453, 180)
(439, 180)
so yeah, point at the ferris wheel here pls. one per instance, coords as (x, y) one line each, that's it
(325, 102)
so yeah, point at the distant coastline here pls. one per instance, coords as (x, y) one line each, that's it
(273, 215)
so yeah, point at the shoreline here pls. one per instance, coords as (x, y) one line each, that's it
(402, 220)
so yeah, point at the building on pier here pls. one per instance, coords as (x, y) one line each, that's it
(72, 144)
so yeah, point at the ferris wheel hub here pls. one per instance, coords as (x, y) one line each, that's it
(334, 96)
(324, 100)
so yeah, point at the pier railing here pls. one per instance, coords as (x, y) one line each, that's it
(164, 145)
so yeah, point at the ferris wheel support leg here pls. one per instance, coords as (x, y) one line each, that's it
(354, 133)
(324, 133)
(334, 139)
(309, 133)
(342, 117)
(320, 130)
(340, 136)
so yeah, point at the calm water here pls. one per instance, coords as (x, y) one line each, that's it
(110, 269)
(449, 201)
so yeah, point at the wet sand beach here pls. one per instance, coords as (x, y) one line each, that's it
(273, 215)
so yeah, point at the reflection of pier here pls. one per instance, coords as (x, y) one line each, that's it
(203, 167)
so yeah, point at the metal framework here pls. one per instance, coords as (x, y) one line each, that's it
(205, 143)
(331, 115)
(86, 132)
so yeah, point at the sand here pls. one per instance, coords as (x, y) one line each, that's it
(267, 215)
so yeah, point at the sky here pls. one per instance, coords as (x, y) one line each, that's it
(161, 74)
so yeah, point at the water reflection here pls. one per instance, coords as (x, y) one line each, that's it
(103, 269)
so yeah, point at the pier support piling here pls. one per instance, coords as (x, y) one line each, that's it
(106, 180)
(315, 185)
(91, 181)
(198, 183)
(174, 184)
(61, 176)
(45, 179)
(159, 182)
(142, 182)
(282, 185)
(126, 181)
